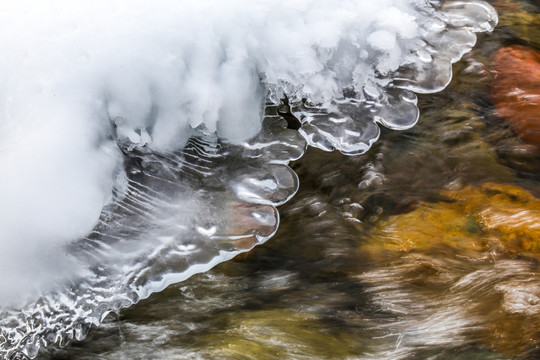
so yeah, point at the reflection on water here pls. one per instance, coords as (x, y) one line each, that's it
(425, 247)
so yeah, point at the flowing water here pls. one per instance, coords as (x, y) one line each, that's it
(425, 246)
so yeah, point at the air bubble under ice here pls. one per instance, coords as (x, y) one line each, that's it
(132, 141)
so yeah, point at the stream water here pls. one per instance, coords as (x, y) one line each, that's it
(427, 246)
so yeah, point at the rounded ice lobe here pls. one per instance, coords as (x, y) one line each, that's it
(143, 142)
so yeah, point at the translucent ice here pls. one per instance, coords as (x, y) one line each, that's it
(174, 214)
(101, 200)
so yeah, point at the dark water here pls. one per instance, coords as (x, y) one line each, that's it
(389, 255)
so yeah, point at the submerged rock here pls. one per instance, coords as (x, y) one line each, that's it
(427, 227)
(525, 158)
(520, 18)
(276, 334)
(489, 217)
(479, 245)
(516, 90)
(510, 213)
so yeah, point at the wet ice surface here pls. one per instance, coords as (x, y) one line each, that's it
(173, 211)
(175, 215)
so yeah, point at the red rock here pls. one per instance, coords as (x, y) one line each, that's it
(516, 90)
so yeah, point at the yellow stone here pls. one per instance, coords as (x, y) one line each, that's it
(509, 211)
(427, 227)
(469, 220)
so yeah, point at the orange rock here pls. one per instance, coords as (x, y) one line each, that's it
(516, 90)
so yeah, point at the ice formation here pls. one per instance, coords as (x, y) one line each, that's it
(101, 200)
